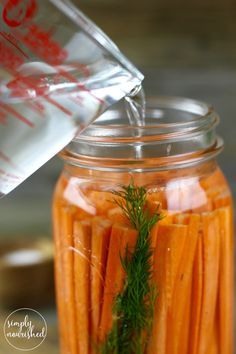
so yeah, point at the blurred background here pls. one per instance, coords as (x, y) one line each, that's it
(184, 48)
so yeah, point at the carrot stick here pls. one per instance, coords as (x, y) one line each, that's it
(59, 191)
(68, 275)
(217, 196)
(167, 219)
(58, 270)
(215, 179)
(182, 219)
(184, 335)
(117, 215)
(103, 201)
(101, 229)
(214, 344)
(196, 301)
(153, 206)
(226, 281)
(167, 258)
(158, 197)
(82, 247)
(215, 190)
(222, 200)
(153, 239)
(185, 196)
(158, 338)
(211, 248)
(178, 314)
(121, 237)
(205, 207)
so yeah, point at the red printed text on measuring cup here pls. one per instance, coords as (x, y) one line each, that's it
(16, 12)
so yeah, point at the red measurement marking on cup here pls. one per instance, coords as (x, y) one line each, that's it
(77, 99)
(8, 175)
(9, 58)
(12, 40)
(83, 68)
(41, 43)
(31, 83)
(16, 12)
(58, 105)
(5, 158)
(72, 79)
(26, 87)
(37, 107)
(16, 114)
(8, 160)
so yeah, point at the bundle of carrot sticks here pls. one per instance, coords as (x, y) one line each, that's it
(192, 270)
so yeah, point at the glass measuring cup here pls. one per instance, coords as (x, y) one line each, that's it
(58, 72)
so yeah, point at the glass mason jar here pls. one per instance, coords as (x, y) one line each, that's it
(143, 228)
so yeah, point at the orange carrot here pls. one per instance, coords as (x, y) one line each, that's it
(178, 321)
(117, 215)
(184, 335)
(222, 200)
(158, 337)
(196, 300)
(167, 258)
(215, 190)
(82, 247)
(214, 343)
(217, 196)
(207, 206)
(153, 238)
(182, 219)
(185, 196)
(103, 201)
(158, 197)
(214, 179)
(153, 206)
(167, 219)
(226, 281)
(101, 229)
(59, 191)
(68, 275)
(211, 248)
(121, 237)
(59, 276)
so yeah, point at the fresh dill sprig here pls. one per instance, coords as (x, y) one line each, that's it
(133, 308)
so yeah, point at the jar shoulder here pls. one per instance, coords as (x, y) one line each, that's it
(199, 190)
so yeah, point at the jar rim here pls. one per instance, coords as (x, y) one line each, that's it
(204, 117)
(177, 132)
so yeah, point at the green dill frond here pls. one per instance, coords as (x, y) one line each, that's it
(133, 308)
